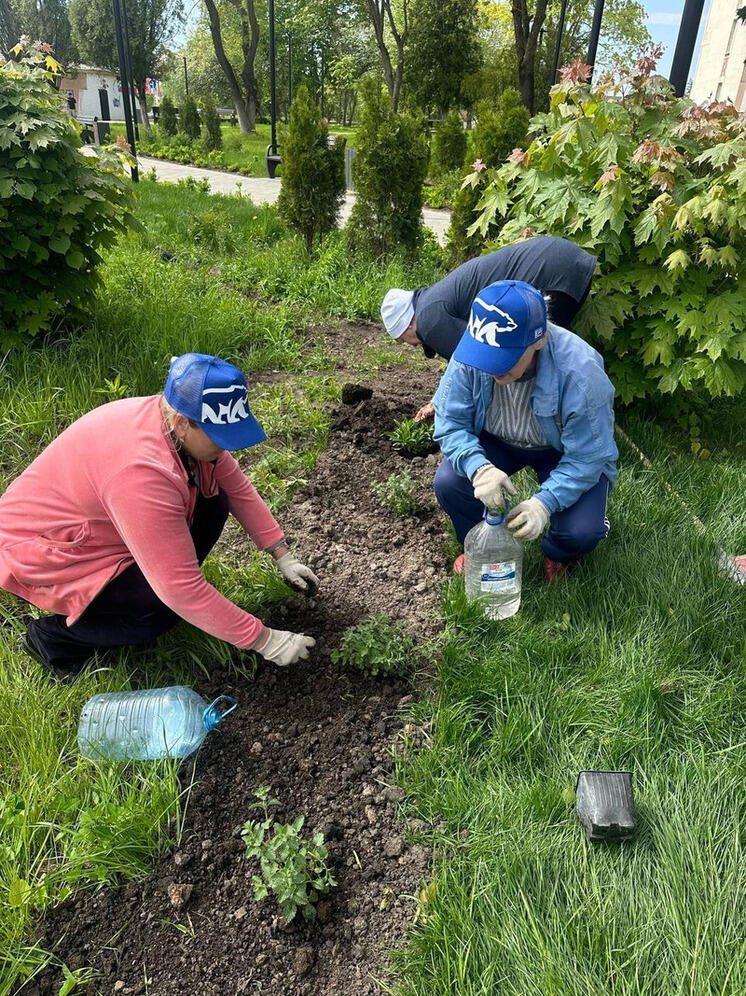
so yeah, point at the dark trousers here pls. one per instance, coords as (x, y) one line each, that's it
(127, 611)
(572, 532)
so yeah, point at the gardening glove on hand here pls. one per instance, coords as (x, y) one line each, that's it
(528, 520)
(283, 648)
(296, 574)
(489, 483)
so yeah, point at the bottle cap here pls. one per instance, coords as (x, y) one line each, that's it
(494, 518)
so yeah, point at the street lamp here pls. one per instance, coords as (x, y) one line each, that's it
(126, 86)
(272, 157)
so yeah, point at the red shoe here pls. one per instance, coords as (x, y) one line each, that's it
(555, 570)
(458, 564)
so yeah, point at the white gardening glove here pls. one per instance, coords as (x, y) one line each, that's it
(528, 520)
(285, 648)
(296, 574)
(489, 483)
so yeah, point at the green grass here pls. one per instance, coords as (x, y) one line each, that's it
(66, 822)
(638, 662)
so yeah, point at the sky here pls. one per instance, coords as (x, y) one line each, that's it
(663, 24)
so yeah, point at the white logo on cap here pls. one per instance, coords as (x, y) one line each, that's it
(485, 331)
(233, 409)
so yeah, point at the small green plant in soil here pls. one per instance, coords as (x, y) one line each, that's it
(399, 492)
(378, 646)
(411, 438)
(294, 869)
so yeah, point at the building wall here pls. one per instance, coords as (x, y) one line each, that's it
(85, 87)
(721, 67)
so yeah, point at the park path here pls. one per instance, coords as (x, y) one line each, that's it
(261, 189)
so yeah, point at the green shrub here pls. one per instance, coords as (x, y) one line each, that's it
(497, 132)
(411, 438)
(58, 208)
(444, 191)
(189, 118)
(448, 145)
(294, 869)
(313, 178)
(378, 646)
(654, 186)
(211, 121)
(168, 119)
(388, 171)
(399, 492)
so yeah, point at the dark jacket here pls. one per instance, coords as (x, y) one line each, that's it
(554, 266)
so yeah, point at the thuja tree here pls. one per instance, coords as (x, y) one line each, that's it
(211, 121)
(655, 186)
(313, 173)
(168, 118)
(389, 171)
(58, 208)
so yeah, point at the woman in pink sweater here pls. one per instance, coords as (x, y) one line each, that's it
(107, 528)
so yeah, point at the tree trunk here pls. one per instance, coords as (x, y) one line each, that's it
(249, 44)
(142, 101)
(245, 122)
(526, 30)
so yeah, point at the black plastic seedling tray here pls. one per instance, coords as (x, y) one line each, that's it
(606, 804)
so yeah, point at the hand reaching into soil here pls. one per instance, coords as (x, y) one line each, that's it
(296, 574)
(426, 413)
(283, 648)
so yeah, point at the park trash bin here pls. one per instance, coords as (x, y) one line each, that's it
(605, 804)
(148, 724)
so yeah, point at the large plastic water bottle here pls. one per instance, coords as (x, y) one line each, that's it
(148, 724)
(493, 566)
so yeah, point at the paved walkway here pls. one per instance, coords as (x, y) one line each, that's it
(263, 190)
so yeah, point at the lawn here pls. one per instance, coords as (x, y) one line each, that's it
(638, 661)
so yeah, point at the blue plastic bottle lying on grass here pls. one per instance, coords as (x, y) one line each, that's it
(148, 724)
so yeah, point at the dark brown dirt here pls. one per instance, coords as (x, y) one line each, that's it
(320, 737)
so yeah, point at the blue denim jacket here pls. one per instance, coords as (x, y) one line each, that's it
(573, 404)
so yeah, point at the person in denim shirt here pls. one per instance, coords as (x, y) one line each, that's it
(520, 391)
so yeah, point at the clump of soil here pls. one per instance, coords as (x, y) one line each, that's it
(320, 737)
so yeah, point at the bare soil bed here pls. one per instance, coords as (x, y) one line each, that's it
(319, 736)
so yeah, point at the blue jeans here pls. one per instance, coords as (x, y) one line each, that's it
(572, 532)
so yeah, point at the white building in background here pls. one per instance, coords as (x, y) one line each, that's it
(97, 94)
(721, 67)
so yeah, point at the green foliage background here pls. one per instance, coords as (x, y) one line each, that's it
(58, 208)
(656, 188)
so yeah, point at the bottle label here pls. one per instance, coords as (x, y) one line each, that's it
(499, 577)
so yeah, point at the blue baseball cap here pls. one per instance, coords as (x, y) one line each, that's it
(506, 318)
(213, 394)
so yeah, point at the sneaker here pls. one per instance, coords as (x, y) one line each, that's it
(555, 570)
(458, 564)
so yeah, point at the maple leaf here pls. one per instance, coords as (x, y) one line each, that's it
(647, 63)
(527, 232)
(478, 166)
(610, 174)
(518, 156)
(663, 180)
(577, 72)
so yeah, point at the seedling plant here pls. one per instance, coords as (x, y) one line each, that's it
(411, 438)
(399, 493)
(378, 646)
(293, 868)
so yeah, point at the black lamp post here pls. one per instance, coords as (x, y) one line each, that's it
(290, 67)
(272, 157)
(682, 56)
(558, 41)
(126, 88)
(128, 57)
(598, 13)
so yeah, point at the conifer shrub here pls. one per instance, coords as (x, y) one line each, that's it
(499, 129)
(448, 145)
(389, 171)
(313, 172)
(58, 208)
(211, 121)
(189, 118)
(168, 119)
(655, 186)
